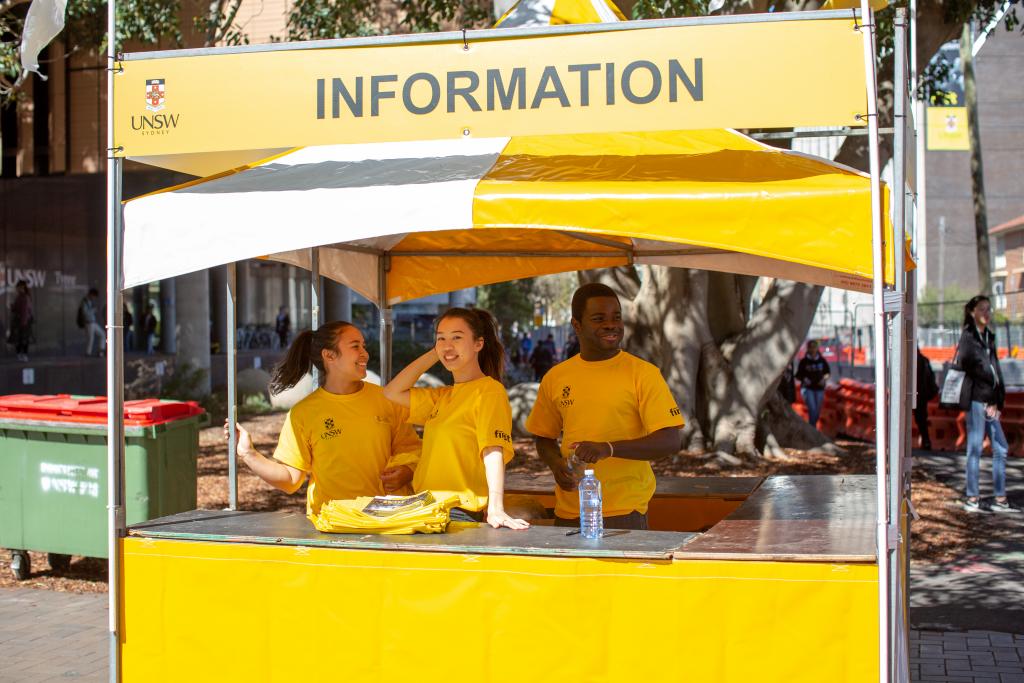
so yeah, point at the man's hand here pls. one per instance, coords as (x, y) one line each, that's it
(394, 478)
(563, 475)
(591, 451)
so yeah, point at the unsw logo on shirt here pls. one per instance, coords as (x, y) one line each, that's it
(566, 402)
(331, 431)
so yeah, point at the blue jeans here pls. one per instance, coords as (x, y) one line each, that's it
(978, 425)
(813, 398)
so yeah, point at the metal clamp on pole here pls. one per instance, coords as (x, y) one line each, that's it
(892, 301)
(893, 536)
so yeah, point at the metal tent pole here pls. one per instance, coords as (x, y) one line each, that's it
(314, 285)
(115, 372)
(230, 313)
(387, 322)
(900, 384)
(878, 280)
(314, 308)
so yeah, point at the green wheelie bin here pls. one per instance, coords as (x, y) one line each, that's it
(53, 471)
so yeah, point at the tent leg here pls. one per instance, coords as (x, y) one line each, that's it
(230, 312)
(878, 270)
(314, 286)
(115, 414)
(387, 321)
(899, 376)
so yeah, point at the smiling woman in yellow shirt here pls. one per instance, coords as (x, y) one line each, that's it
(348, 438)
(467, 427)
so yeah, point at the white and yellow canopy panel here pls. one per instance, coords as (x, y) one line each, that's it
(447, 214)
(555, 12)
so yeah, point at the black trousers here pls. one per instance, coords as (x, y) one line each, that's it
(921, 419)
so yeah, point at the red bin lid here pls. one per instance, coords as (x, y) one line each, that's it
(93, 409)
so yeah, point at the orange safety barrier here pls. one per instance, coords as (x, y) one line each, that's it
(849, 409)
(941, 354)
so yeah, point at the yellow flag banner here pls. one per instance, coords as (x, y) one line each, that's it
(659, 77)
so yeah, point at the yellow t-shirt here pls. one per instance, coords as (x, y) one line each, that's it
(344, 442)
(458, 423)
(617, 399)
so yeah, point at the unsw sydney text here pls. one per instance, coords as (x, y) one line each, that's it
(637, 82)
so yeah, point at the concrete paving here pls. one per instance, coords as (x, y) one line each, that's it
(985, 589)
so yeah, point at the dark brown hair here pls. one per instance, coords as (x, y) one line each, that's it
(306, 352)
(483, 326)
(591, 290)
(971, 305)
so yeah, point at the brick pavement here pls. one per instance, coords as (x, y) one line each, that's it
(966, 657)
(47, 637)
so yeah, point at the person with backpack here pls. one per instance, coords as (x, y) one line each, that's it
(543, 358)
(88, 320)
(927, 389)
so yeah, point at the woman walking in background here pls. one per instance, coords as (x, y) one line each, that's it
(21, 320)
(980, 363)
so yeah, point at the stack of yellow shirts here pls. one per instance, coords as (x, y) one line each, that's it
(421, 513)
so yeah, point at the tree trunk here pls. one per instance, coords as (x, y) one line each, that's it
(721, 359)
(977, 169)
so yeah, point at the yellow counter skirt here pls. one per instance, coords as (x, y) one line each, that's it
(213, 611)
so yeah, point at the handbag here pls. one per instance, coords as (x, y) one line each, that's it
(956, 386)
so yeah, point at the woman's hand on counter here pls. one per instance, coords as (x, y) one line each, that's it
(394, 478)
(499, 518)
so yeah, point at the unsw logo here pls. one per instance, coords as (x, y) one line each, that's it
(566, 402)
(156, 100)
(331, 431)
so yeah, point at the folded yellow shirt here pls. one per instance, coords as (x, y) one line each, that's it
(348, 517)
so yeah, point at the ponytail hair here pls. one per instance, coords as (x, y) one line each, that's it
(306, 352)
(970, 306)
(484, 326)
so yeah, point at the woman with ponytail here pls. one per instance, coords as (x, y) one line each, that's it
(345, 436)
(467, 427)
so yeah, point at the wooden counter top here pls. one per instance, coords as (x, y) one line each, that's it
(807, 518)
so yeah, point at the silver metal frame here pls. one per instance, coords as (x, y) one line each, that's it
(878, 272)
(115, 375)
(232, 371)
(890, 363)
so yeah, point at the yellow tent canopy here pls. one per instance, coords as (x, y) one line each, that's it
(447, 214)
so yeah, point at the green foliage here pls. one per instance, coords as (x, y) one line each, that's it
(184, 383)
(436, 15)
(323, 19)
(666, 9)
(510, 302)
(953, 301)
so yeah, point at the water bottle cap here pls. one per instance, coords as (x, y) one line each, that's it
(588, 473)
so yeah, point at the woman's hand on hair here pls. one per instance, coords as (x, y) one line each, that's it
(394, 478)
(498, 518)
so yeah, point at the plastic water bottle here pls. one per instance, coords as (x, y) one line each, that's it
(591, 514)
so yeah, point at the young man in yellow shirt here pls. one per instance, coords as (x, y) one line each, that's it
(611, 409)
